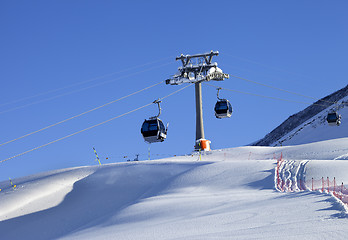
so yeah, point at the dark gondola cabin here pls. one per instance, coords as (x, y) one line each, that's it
(223, 109)
(333, 119)
(153, 130)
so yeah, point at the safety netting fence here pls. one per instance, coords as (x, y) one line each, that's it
(324, 184)
(329, 186)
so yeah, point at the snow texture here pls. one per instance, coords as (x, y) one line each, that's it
(298, 128)
(229, 194)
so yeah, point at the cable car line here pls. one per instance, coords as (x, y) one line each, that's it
(153, 129)
(96, 125)
(332, 118)
(267, 66)
(78, 115)
(279, 89)
(223, 108)
(269, 86)
(83, 82)
(263, 96)
(82, 89)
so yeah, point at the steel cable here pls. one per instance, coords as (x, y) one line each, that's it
(78, 115)
(83, 82)
(81, 89)
(280, 89)
(263, 96)
(96, 125)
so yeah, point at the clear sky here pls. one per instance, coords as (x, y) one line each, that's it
(61, 58)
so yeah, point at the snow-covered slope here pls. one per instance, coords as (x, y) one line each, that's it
(309, 125)
(228, 194)
(317, 129)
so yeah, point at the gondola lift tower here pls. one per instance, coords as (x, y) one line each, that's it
(196, 69)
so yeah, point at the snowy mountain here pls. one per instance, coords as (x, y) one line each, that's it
(224, 194)
(253, 192)
(309, 125)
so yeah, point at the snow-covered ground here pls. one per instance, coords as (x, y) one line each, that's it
(316, 128)
(227, 194)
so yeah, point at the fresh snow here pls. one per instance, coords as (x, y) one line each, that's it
(316, 128)
(228, 194)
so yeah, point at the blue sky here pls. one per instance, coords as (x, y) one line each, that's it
(54, 54)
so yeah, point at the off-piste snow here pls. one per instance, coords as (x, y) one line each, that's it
(316, 128)
(225, 194)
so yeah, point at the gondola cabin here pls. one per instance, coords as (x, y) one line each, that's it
(153, 130)
(223, 109)
(333, 119)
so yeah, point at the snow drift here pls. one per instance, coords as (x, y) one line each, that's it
(228, 194)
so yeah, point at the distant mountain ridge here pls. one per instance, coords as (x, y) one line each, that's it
(301, 117)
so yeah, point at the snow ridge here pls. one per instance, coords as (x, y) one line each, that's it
(302, 117)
